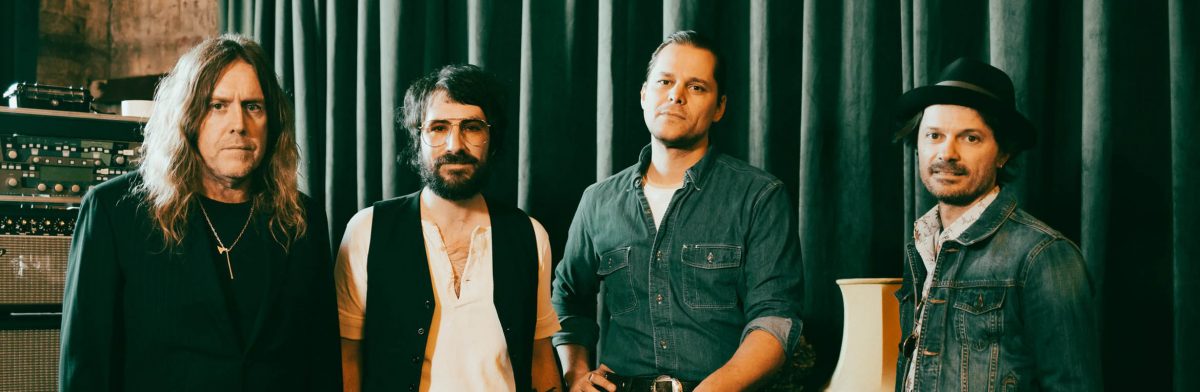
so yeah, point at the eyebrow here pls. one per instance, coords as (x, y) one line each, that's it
(663, 74)
(436, 120)
(228, 99)
(962, 131)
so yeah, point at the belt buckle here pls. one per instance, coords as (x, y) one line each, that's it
(676, 386)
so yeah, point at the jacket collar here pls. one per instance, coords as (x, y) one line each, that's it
(992, 218)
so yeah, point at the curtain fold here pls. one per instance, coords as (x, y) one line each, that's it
(1185, 114)
(18, 42)
(1111, 86)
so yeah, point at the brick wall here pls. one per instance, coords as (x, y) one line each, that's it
(85, 40)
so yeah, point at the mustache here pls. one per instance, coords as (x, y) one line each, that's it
(460, 157)
(947, 167)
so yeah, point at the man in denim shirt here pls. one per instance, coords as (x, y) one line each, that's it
(993, 299)
(695, 252)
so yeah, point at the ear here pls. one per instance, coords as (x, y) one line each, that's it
(720, 109)
(1002, 159)
(642, 96)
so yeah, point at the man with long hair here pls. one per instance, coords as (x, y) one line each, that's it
(205, 269)
(459, 284)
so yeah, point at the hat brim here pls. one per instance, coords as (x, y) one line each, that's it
(1011, 122)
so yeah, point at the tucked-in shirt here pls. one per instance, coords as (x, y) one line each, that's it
(466, 350)
(680, 299)
(928, 237)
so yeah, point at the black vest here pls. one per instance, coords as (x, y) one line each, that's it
(400, 294)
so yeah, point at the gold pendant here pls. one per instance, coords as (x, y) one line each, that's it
(229, 265)
(222, 250)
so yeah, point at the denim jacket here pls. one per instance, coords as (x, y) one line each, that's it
(1010, 309)
(678, 300)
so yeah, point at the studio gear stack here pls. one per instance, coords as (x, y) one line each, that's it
(48, 160)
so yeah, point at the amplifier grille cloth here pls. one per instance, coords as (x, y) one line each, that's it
(33, 269)
(29, 360)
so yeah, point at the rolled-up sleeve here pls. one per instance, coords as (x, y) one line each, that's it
(773, 274)
(576, 284)
(350, 274)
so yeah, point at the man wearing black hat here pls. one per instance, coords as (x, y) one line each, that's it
(993, 299)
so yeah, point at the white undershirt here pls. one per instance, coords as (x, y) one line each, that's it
(659, 199)
(466, 349)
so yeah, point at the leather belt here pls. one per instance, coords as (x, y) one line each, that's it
(663, 383)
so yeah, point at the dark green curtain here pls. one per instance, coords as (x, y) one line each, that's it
(1111, 84)
(18, 43)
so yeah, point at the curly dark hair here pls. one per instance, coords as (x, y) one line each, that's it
(463, 83)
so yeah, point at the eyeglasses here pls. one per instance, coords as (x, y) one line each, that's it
(474, 131)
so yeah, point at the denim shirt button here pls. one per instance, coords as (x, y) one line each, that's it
(660, 299)
(662, 343)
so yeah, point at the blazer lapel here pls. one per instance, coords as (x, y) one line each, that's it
(276, 273)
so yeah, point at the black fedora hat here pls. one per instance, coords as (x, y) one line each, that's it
(979, 86)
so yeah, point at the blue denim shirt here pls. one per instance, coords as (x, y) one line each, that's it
(679, 300)
(1010, 308)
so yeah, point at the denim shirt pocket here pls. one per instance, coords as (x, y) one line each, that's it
(710, 276)
(618, 281)
(979, 318)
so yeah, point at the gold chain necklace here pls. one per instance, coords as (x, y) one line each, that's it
(221, 249)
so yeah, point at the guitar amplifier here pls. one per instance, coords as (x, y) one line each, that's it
(32, 274)
(30, 360)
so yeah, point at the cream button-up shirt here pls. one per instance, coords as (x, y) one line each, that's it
(466, 350)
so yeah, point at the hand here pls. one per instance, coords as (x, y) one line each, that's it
(593, 381)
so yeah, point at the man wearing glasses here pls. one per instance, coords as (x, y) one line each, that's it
(460, 286)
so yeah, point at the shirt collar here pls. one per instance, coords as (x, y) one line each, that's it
(696, 175)
(928, 233)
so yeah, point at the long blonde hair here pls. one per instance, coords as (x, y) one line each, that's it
(172, 167)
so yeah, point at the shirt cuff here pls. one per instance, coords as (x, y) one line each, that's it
(546, 328)
(576, 330)
(351, 328)
(779, 327)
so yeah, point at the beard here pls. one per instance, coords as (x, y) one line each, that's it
(960, 198)
(460, 186)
